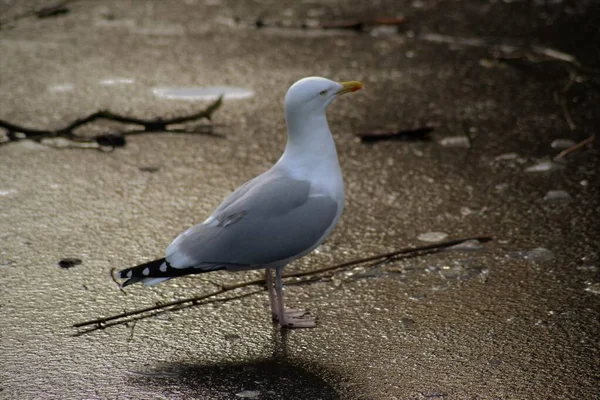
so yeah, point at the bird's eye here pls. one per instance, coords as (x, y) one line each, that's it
(323, 92)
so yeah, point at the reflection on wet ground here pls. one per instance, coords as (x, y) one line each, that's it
(277, 377)
(264, 379)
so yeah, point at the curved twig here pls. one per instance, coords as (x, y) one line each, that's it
(101, 323)
(111, 140)
(577, 146)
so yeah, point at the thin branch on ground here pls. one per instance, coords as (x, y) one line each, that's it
(42, 12)
(112, 276)
(130, 338)
(563, 99)
(101, 323)
(408, 135)
(111, 140)
(575, 147)
(578, 73)
(358, 25)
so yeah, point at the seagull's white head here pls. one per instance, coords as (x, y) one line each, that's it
(314, 94)
(309, 139)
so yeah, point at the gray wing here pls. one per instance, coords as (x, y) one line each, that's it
(269, 219)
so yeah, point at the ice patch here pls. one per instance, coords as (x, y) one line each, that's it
(538, 254)
(202, 93)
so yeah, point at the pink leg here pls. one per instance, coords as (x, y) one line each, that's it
(272, 301)
(290, 318)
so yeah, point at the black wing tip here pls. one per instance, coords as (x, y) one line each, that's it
(161, 268)
(135, 274)
(129, 282)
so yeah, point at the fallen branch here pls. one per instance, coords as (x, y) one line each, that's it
(42, 12)
(578, 73)
(100, 323)
(573, 148)
(111, 140)
(359, 25)
(407, 135)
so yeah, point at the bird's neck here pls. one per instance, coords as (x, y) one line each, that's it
(310, 143)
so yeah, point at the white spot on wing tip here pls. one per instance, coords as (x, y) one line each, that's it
(146, 271)
(129, 274)
(163, 267)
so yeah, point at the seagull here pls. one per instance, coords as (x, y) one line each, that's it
(275, 218)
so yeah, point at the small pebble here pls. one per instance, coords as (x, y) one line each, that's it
(561, 144)
(544, 166)
(484, 275)
(557, 196)
(432, 236)
(501, 187)
(31, 145)
(386, 30)
(455, 141)
(323, 249)
(464, 211)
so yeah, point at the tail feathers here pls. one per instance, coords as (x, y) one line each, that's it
(153, 281)
(141, 272)
(160, 270)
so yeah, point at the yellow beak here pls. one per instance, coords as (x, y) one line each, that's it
(351, 86)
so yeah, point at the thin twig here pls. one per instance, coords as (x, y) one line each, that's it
(575, 147)
(42, 12)
(100, 322)
(112, 276)
(132, 329)
(578, 73)
(563, 99)
(565, 109)
(158, 311)
(408, 135)
(150, 125)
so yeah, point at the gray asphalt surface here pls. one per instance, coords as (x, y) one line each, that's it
(500, 322)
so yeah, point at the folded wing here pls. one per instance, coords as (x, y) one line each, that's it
(267, 220)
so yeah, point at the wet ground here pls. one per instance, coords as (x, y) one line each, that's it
(515, 318)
